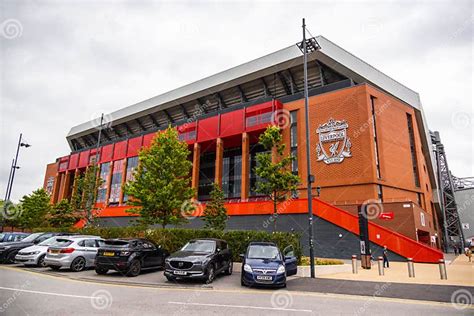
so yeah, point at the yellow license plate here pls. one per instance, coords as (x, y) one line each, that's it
(55, 251)
(109, 254)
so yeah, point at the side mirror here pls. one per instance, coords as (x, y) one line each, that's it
(242, 256)
(36, 241)
(218, 250)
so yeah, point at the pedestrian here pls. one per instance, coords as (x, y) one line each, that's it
(469, 254)
(455, 249)
(460, 250)
(385, 258)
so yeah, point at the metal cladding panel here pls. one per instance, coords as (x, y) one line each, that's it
(63, 163)
(147, 139)
(258, 117)
(73, 161)
(83, 159)
(107, 153)
(232, 123)
(188, 132)
(208, 129)
(120, 150)
(134, 145)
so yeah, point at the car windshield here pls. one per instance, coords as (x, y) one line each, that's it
(61, 243)
(115, 243)
(2, 236)
(263, 252)
(206, 246)
(31, 237)
(48, 242)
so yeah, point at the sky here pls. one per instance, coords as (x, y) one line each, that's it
(64, 62)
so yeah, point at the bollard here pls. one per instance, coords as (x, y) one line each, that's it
(354, 264)
(380, 262)
(411, 268)
(442, 270)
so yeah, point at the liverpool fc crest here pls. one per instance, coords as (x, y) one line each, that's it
(334, 144)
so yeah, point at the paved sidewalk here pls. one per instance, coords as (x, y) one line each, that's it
(460, 272)
(435, 293)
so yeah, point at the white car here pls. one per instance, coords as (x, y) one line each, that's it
(74, 252)
(34, 255)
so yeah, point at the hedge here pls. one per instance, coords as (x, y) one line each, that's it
(172, 239)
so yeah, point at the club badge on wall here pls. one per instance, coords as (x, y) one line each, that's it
(334, 144)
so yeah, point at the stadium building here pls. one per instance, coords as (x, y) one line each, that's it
(370, 144)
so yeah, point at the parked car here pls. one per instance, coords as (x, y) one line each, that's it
(9, 250)
(34, 255)
(129, 256)
(264, 264)
(74, 252)
(200, 259)
(10, 237)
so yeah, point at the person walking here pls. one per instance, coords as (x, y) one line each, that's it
(385, 258)
(455, 249)
(469, 254)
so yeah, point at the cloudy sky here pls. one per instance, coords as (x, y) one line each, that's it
(65, 62)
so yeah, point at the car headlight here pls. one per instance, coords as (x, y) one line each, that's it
(281, 269)
(125, 253)
(167, 260)
(34, 252)
(247, 268)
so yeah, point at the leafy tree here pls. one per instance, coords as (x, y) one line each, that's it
(85, 193)
(10, 214)
(276, 180)
(63, 215)
(215, 213)
(162, 181)
(34, 209)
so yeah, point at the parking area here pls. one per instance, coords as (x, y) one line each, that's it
(151, 278)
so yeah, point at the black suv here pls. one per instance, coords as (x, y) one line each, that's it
(200, 259)
(8, 250)
(129, 256)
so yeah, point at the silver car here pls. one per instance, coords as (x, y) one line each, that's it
(34, 255)
(76, 253)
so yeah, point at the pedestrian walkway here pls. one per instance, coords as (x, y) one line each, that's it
(460, 272)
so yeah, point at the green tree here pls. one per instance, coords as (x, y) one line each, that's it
(162, 181)
(276, 180)
(10, 214)
(85, 193)
(215, 213)
(63, 215)
(34, 207)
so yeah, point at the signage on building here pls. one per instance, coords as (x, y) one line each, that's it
(334, 144)
(386, 215)
(422, 218)
(465, 225)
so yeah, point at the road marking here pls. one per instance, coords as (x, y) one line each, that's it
(244, 306)
(46, 293)
(243, 291)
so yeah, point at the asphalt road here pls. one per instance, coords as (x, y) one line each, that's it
(24, 292)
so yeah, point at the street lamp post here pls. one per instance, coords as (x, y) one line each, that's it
(15, 167)
(310, 45)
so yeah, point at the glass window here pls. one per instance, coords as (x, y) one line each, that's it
(232, 172)
(90, 243)
(205, 246)
(263, 252)
(294, 141)
(104, 172)
(116, 182)
(254, 150)
(132, 164)
(207, 173)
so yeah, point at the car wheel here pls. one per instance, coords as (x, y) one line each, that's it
(101, 271)
(242, 283)
(211, 273)
(134, 269)
(41, 262)
(55, 268)
(229, 269)
(10, 257)
(78, 264)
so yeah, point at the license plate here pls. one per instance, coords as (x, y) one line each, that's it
(179, 272)
(264, 277)
(109, 253)
(55, 251)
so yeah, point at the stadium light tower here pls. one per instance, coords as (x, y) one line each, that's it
(306, 46)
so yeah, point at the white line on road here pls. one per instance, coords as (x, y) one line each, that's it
(245, 306)
(46, 293)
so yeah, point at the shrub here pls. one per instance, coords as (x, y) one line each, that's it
(172, 239)
(321, 262)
